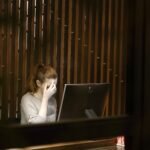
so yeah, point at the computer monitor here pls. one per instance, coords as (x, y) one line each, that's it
(81, 101)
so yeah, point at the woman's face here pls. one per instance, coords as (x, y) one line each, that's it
(48, 82)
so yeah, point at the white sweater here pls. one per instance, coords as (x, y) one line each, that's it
(30, 106)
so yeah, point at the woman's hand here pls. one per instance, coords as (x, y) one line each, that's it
(49, 90)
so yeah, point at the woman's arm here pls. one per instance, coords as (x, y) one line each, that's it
(47, 94)
(29, 111)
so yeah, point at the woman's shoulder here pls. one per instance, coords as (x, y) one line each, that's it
(28, 94)
(27, 97)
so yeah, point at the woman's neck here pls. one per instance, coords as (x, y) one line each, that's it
(38, 94)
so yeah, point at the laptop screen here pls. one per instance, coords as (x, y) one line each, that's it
(81, 101)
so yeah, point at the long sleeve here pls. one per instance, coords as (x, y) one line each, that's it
(29, 112)
(30, 107)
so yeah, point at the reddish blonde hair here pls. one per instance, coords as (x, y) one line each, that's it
(40, 72)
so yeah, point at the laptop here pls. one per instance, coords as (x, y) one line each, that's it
(83, 101)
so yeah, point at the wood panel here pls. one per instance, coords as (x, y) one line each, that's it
(1, 54)
(120, 78)
(69, 23)
(55, 50)
(61, 76)
(30, 35)
(86, 41)
(89, 42)
(14, 61)
(115, 73)
(5, 88)
(76, 41)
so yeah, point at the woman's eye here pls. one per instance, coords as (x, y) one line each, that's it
(48, 86)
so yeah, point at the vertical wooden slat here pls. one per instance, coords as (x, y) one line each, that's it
(55, 33)
(3, 102)
(40, 31)
(24, 48)
(21, 50)
(103, 41)
(83, 44)
(1, 54)
(96, 41)
(58, 47)
(69, 42)
(6, 58)
(31, 33)
(125, 56)
(5, 63)
(118, 58)
(9, 47)
(114, 59)
(27, 32)
(38, 49)
(47, 31)
(36, 32)
(76, 41)
(14, 62)
(89, 43)
(0, 57)
(43, 28)
(109, 69)
(17, 55)
(121, 80)
(34, 4)
(62, 48)
(28, 36)
(52, 32)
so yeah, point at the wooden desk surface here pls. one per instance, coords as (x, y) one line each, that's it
(77, 145)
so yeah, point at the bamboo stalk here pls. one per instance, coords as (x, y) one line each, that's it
(76, 42)
(69, 42)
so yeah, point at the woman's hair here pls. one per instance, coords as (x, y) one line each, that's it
(40, 72)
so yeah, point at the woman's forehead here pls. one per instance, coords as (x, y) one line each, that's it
(51, 80)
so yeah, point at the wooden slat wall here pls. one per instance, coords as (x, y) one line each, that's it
(1, 54)
(84, 40)
(5, 80)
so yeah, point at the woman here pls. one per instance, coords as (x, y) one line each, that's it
(38, 104)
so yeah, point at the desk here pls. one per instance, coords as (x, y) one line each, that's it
(77, 145)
